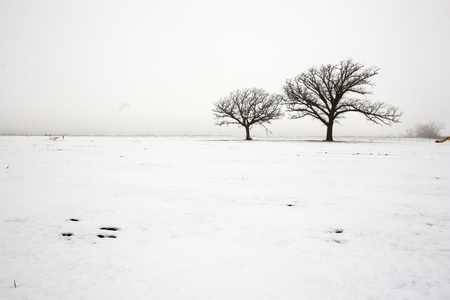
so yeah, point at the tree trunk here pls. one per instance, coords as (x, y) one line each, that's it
(247, 133)
(329, 132)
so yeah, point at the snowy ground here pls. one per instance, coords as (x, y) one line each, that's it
(209, 218)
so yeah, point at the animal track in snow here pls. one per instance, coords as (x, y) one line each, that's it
(106, 236)
(108, 228)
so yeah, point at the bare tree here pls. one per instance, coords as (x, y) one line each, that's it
(410, 133)
(327, 93)
(247, 108)
(429, 130)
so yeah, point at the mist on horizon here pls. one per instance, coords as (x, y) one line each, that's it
(156, 68)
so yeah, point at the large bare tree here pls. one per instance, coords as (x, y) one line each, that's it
(328, 92)
(247, 108)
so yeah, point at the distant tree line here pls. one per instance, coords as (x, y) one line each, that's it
(430, 130)
(324, 93)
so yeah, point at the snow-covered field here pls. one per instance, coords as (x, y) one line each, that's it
(211, 218)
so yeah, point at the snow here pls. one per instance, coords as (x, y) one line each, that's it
(221, 218)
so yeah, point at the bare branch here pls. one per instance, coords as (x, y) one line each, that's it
(378, 112)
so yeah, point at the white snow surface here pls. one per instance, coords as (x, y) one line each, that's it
(217, 218)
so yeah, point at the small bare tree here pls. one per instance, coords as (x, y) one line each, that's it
(430, 130)
(247, 108)
(410, 133)
(327, 93)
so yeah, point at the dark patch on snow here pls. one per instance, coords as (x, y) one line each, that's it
(106, 236)
(290, 204)
(67, 234)
(110, 228)
(339, 230)
(357, 153)
(74, 220)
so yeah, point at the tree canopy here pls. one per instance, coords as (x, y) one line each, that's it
(247, 108)
(328, 92)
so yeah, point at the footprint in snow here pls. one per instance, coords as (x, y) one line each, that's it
(111, 236)
(110, 228)
(106, 236)
(102, 236)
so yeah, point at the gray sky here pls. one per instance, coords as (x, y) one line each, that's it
(156, 67)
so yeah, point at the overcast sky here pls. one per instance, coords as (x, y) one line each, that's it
(157, 67)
